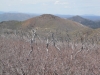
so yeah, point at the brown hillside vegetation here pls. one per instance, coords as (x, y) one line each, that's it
(44, 24)
(22, 57)
(65, 48)
(52, 23)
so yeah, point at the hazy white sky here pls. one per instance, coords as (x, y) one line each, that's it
(75, 7)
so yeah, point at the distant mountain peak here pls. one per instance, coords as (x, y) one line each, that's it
(48, 16)
(77, 17)
(84, 21)
(52, 22)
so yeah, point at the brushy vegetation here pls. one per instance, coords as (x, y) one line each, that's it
(32, 54)
(48, 46)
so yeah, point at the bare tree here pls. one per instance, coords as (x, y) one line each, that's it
(54, 40)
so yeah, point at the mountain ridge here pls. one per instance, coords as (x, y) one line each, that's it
(84, 21)
(48, 18)
(15, 16)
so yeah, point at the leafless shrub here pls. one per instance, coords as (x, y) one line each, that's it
(49, 57)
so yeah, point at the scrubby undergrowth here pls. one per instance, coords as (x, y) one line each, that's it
(22, 57)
